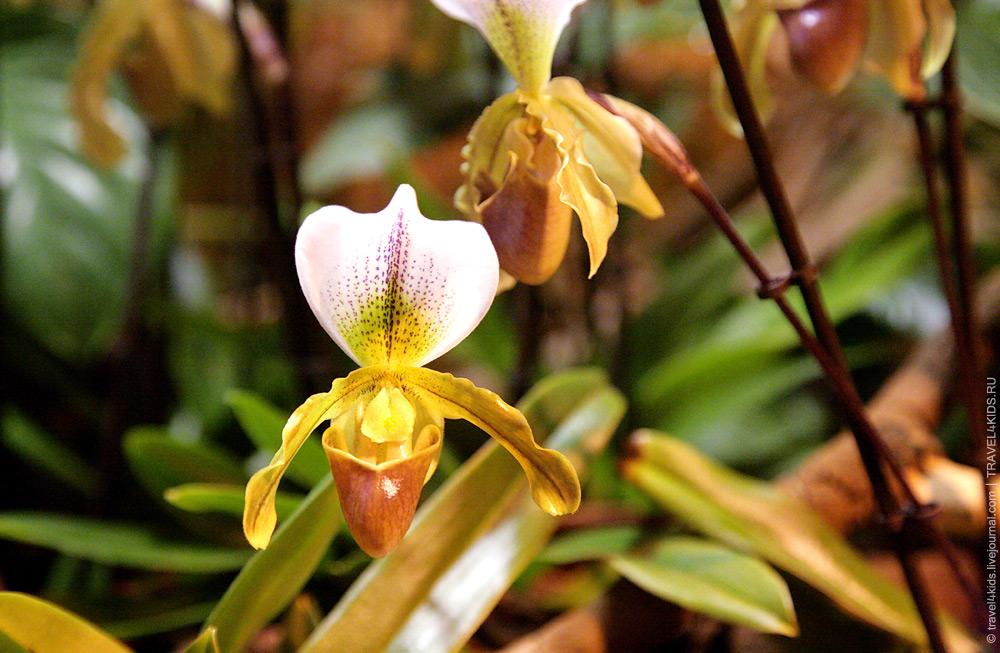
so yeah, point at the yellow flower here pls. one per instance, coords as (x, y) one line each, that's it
(395, 291)
(545, 150)
(905, 41)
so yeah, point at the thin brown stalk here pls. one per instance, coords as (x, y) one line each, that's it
(910, 519)
(955, 171)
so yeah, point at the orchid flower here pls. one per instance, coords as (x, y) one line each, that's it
(905, 41)
(395, 291)
(546, 150)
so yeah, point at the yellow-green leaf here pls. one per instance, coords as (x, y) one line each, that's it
(42, 627)
(755, 516)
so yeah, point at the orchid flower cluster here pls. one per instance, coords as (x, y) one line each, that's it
(396, 290)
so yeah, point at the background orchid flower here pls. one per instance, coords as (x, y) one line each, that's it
(395, 291)
(905, 41)
(545, 150)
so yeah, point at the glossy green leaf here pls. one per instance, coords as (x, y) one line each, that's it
(161, 462)
(715, 580)
(67, 225)
(473, 536)
(207, 642)
(262, 423)
(275, 575)
(42, 627)
(122, 545)
(756, 517)
(590, 544)
(25, 438)
(218, 497)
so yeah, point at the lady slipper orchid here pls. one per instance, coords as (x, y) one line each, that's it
(905, 41)
(396, 290)
(545, 150)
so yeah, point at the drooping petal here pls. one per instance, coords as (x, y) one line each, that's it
(826, 39)
(259, 516)
(378, 501)
(523, 33)
(896, 34)
(554, 483)
(395, 287)
(940, 34)
(753, 26)
(612, 146)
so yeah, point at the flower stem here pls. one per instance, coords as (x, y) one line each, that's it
(910, 519)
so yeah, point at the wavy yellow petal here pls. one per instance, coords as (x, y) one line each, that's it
(259, 516)
(554, 483)
(612, 146)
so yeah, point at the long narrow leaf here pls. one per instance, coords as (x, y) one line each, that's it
(275, 575)
(121, 545)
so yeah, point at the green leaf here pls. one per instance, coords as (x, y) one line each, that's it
(715, 580)
(207, 642)
(275, 575)
(161, 462)
(336, 159)
(262, 423)
(755, 331)
(978, 44)
(66, 224)
(120, 545)
(217, 497)
(590, 544)
(44, 451)
(151, 621)
(758, 518)
(41, 627)
(473, 537)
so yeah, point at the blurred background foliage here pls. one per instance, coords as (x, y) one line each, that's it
(154, 166)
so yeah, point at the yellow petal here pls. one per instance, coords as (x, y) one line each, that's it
(378, 501)
(612, 146)
(259, 517)
(753, 26)
(486, 150)
(940, 34)
(554, 484)
(113, 25)
(897, 29)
